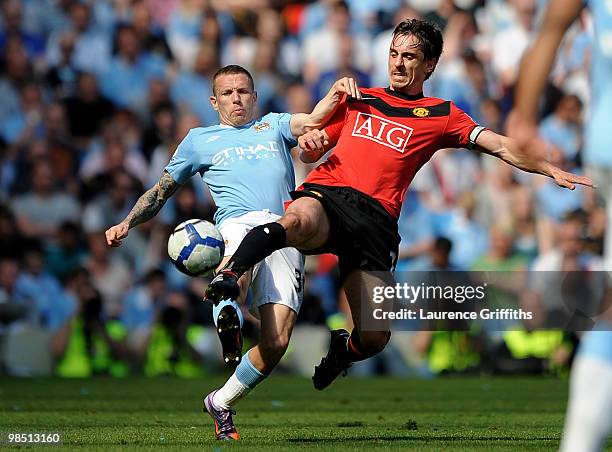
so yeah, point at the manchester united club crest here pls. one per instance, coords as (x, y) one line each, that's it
(420, 112)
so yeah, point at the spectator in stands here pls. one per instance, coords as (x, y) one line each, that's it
(344, 68)
(118, 149)
(494, 196)
(110, 207)
(183, 30)
(563, 127)
(559, 283)
(15, 306)
(417, 230)
(126, 79)
(87, 109)
(90, 344)
(322, 49)
(190, 90)
(152, 37)
(501, 255)
(175, 346)
(92, 46)
(524, 224)
(26, 122)
(510, 43)
(41, 210)
(161, 130)
(269, 81)
(12, 243)
(62, 76)
(142, 304)
(67, 254)
(12, 15)
(51, 308)
(158, 95)
(17, 70)
(470, 238)
(110, 275)
(437, 257)
(553, 205)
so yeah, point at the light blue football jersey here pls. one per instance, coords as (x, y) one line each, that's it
(598, 144)
(246, 168)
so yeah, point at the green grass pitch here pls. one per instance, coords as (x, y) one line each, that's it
(287, 414)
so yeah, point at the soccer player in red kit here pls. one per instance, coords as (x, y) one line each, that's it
(349, 205)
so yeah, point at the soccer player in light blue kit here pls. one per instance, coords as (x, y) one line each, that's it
(247, 165)
(589, 413)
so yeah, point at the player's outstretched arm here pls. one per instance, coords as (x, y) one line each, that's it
(325, 108)
(145, 208)
(511, 152)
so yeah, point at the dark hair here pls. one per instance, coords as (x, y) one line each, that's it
(153, 275)
(341, 4)
(233, 69)
(121, 28)
(428, 34)
(443, 244)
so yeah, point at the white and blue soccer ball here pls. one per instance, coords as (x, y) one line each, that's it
(196, 247)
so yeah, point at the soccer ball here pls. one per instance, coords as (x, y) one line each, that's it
(196, 247)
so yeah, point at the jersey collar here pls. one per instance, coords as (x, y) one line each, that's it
(244, 126)
(404, 96)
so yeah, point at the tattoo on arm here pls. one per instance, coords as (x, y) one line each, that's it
(152, 201)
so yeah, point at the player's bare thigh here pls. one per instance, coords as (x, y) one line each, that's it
(306, 223)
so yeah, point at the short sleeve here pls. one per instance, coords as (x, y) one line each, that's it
(334, 126)
(185, 161)
(458, 129)
(283, 122)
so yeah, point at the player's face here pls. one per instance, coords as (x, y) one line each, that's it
(407, 65)
(234, 99)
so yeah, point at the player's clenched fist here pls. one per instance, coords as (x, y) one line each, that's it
(115, 234)
(313, 145)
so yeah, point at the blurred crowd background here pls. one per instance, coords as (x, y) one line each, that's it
(96, 95)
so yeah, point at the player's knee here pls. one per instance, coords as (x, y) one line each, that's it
(374, 342)
(297, 224)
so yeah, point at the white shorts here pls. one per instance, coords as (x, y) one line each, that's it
(279, 278)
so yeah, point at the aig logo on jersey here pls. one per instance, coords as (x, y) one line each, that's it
(382, 131)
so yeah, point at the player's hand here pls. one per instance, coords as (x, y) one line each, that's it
(348, 86)
(115, 234)
(313, 140)
(313, 144)
(569, 180)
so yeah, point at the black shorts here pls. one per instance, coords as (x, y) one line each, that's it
(362, 233)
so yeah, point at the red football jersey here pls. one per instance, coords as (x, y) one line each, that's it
(385, 138)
